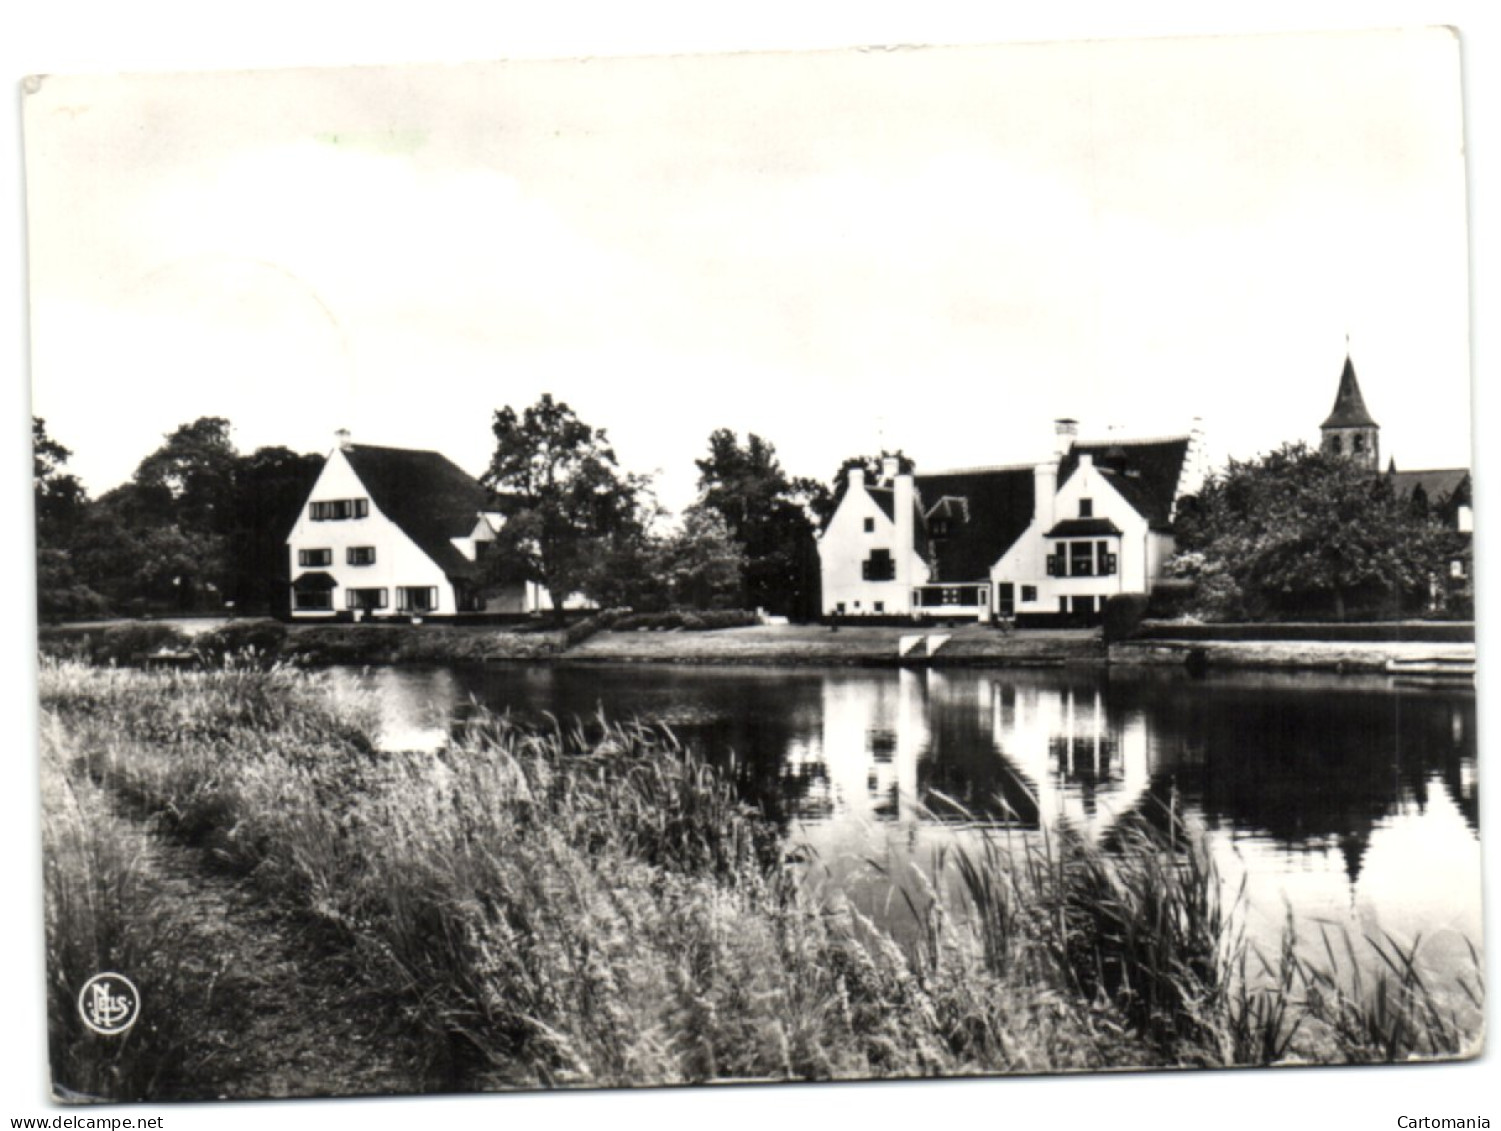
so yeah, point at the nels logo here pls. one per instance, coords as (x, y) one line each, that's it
(109, 1003)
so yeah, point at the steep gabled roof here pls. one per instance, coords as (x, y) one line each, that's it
(1349, 406)
(1441, 484)
(999, 504)
(1145, 472)
(430, 498)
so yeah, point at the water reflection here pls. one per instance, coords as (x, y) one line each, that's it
(1352, 798)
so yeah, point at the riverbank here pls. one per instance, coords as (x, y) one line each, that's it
(128, 642)
(594, 905)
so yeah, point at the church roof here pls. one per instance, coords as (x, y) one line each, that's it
(430, 498)
(1349, 406)
(1440, 484)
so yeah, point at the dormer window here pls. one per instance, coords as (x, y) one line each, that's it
(336, 510)
(939, 528)
(1086, 508)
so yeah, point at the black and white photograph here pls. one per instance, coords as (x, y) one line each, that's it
(752, 564)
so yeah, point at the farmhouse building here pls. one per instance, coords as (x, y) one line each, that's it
(1046, 541)
(394, 532)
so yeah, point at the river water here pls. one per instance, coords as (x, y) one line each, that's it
(1346, 800)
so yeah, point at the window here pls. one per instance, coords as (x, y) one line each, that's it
(878, 567)
(1086, 508)
(360, 555)
(416, 598)
(333, 510)
(1007, 596)
(307, 558)
(1357, 442)
(1081, 559)
(870, 526)
(365, 599)
(1029, 594)
(938, 528)
(320, 599)
(1104, 559)
(880, 606)
(839, 608)
(1457, 568)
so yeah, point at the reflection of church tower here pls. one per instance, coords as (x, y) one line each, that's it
(1350, 431)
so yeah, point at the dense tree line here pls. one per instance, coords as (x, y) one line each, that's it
(198, 526)
(1305, 533)
(576, 523)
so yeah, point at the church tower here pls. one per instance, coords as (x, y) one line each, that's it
(1350, 431)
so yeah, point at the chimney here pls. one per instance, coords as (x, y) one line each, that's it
(855, 477)
(1044, 494)
(891, 466)
(903, 510)
(1065, 432)
(344, 439)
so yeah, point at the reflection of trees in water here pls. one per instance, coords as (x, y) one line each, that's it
(1316, 768)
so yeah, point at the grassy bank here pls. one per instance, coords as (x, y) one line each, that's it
(590, 904)
(660, 640)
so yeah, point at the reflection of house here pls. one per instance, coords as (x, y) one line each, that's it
(392, 532)
(1051, 540)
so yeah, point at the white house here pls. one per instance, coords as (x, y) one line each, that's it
(1053, 539)
(395, 532)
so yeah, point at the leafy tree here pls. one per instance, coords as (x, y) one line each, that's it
(1299, 532)
(60, 497)
(566, 501)
(269, 487)
(768, 514)
(189, 480)
(702, 565)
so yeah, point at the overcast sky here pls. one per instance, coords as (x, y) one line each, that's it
(939, 250)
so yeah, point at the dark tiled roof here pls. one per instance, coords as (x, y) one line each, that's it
(999, 502)
(1145, 472)
(1438, 483)
(1349, 406)
(1083, 528)
(883, 499)
(430, 498)
(315, 581)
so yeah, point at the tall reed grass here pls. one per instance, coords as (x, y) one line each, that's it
(589, 904)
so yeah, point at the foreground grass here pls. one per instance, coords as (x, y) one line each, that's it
(590, 905)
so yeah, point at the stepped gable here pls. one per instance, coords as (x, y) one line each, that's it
(429, 497)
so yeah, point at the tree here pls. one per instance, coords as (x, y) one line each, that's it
(60, 498)
(768, 514)
(190, 478)
(565, 499)
(269, 488)
(1299, 532)
(702, 565)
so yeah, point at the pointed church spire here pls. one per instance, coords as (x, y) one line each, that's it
(1349, 406)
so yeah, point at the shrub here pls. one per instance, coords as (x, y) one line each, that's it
(1123, 613)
